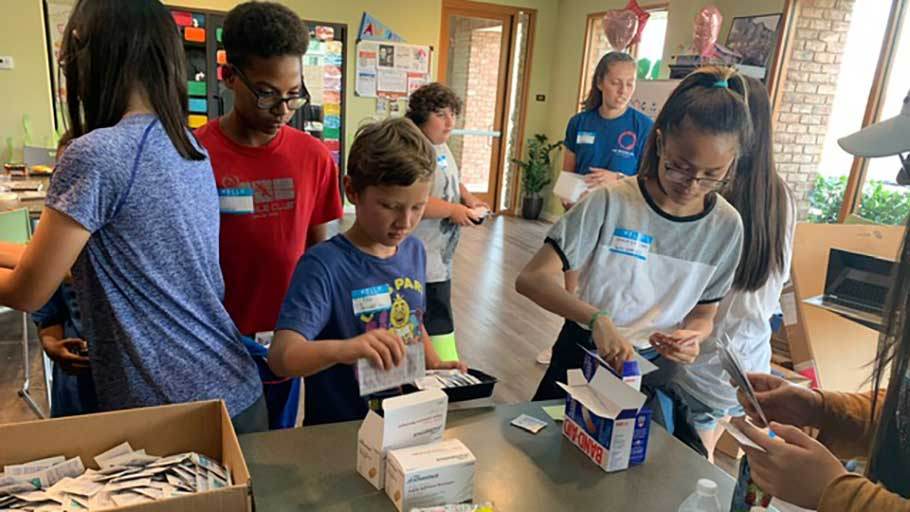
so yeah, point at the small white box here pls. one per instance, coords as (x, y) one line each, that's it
(570, 186)
(430, 475)
(408, 420)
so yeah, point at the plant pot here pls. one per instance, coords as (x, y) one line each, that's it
(531, 206)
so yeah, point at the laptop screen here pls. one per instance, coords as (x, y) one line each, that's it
(858, 279)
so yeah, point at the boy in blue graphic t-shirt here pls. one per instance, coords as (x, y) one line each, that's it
(360, 295)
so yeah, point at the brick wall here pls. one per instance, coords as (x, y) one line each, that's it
(811, 83)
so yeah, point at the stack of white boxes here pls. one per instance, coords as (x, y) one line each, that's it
(402, 451)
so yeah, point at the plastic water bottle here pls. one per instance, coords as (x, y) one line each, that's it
(704, 499)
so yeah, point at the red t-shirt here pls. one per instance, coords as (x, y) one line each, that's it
(295, 186)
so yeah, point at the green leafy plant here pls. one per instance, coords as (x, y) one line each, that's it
(880, 203)
(535, 171)
(826, 198)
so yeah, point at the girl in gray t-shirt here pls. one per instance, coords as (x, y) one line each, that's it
(657, 254)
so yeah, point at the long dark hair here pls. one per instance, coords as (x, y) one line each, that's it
(892, 363)
(111, 48)
(714, 100)
(595, 99)
(761, 198)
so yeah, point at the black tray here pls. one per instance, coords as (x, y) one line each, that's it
(464, 393)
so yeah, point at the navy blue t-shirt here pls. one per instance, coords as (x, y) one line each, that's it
(612, 144)
(328, 288)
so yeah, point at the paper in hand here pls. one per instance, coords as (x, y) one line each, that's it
(739, 436)
(734, 367)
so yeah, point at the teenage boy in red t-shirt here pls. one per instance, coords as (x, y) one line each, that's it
(278, 185)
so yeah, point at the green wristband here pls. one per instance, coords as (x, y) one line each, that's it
(594, 318)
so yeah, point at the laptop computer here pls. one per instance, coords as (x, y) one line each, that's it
(856, 286)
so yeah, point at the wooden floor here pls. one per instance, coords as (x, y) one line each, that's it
(497, 330)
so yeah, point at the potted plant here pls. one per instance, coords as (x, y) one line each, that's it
(535, 175)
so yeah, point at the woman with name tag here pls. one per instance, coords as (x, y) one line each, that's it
(132, 208)
(604, 142)
(655, 255)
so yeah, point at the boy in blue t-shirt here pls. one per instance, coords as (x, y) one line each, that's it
(360, 295)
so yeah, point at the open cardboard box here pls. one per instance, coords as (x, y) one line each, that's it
(203, 427)
(605, 419)
(408, 420)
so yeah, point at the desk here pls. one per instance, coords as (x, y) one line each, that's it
(313, 468)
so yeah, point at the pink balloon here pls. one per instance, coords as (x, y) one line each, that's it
(707, 27)
(620, 26)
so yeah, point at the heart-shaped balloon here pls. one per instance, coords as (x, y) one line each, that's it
(620, 26)
(707, 28)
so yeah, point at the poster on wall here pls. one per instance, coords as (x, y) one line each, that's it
(389, 69)
(372, 29)
(650, 95)
(323, 74)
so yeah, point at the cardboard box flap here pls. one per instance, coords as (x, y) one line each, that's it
(606, 395)
(644, 366)
(575, 378)
(390, 405)
(370, 432)
(415, 417)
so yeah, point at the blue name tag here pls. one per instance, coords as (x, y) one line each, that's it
(371, 300)
(236, 201)
(631, 243)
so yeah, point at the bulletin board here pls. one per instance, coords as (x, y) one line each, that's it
(324, 75)
(387, 69)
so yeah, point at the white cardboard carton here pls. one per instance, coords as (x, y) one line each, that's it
(605, 419)
(570, 186)
(430, 475)
(408, 420)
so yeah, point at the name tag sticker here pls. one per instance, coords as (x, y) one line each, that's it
(585, 138)
(631, 243)
(371, 300)
(236, 201)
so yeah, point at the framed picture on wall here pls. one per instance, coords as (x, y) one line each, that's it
(754, 38)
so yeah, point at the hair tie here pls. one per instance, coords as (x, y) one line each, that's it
(721, 84)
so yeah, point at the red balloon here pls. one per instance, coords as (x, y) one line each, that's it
(620, 26)
(707, 28)
(642, 16)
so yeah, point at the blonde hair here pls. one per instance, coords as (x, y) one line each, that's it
(390, 152)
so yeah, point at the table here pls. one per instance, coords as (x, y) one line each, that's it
(313, 468)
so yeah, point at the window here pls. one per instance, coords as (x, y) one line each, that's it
(882, 200)
(849, 106)
(650, 47)
(866, 187)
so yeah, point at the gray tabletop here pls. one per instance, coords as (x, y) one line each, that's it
(313, 468)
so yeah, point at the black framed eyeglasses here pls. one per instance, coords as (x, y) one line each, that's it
(271, 101)
(681, 177)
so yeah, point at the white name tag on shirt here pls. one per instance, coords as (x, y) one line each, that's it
(585, 138)
(371, 300)
(236, 201)
(631, 243)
